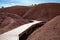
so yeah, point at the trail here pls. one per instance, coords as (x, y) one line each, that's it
(14, 34)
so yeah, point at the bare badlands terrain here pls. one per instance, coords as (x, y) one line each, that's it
(15, 16)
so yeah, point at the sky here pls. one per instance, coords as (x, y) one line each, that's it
(7, 3)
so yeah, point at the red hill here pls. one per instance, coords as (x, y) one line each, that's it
(20, 10)
(43, 12)
(10, 21)
(49, 31)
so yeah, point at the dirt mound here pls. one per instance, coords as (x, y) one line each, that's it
(6, 24)
(14, 16)
(10, 21)
(43, 12)
(50, 31)
(20, 10)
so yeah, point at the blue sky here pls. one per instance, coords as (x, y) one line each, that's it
(7, 3)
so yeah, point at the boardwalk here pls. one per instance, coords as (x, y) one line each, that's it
(14, 34)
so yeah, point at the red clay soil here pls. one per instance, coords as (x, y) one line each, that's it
(14, 16)
(20, 10)
(49, 31)
(43, 12)
(10, 21)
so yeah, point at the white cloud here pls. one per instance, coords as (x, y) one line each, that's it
(27, 2)
(13, 4)
(6, 5)
(19, 2)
